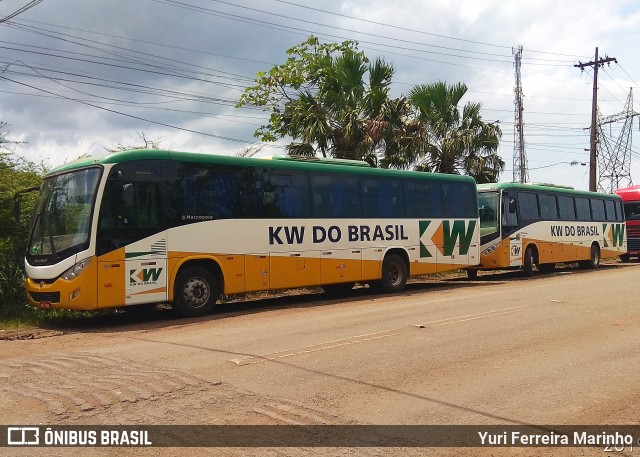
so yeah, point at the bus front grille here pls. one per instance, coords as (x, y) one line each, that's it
(633, 244)
(633, 230)
(51, 297)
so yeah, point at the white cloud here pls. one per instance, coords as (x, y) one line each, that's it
(160, 48)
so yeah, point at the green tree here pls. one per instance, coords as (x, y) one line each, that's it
(454, 141)
(16, 174)
(330, 98)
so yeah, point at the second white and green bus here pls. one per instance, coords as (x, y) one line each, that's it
(523, 226)
(143, 227)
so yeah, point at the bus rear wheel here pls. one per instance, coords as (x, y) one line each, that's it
(394, 274)
(594, 259)
(528, 261)
(196, 292)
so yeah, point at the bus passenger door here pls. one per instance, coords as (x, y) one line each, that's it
(509, 222)
(146, 271)
(515, 251)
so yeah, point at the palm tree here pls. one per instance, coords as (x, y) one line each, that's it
(348, 116)
(455, 142)
(345, 111)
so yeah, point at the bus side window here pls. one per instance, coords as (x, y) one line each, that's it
(566, 207)
(620, 211)
(459, 200)
(392, 199)
(611, 210)
(528, 205)
(345, 198)
(548, 207)
(597, 209)
(583, 209)
(280, 194)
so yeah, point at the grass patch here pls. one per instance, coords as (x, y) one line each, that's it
(21, 315)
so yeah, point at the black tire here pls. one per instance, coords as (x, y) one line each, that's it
(594, 259)
(547, 268)
(196, 292)
(472, 274)
(337, 290)
(527, 262)
(394, 274)
(625, 257)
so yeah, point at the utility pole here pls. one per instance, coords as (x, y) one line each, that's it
(520, 169)
(596, 63)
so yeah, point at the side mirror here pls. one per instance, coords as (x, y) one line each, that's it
(16, 201)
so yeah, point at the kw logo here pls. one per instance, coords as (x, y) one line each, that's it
(615, 236)
(447, 236)
(515, 250)
(144, 276)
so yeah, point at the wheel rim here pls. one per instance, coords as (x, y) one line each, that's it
(394, 275)
(196, 292)
(596, 256)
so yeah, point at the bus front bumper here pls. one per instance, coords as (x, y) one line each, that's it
(78, 293)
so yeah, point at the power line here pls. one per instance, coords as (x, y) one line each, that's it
(26, 7)
(407, 29)
(163, 124)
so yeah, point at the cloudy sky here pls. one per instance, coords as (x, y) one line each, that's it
(82, 76)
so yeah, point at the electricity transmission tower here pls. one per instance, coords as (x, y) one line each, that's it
(520, 167)
(614, 154)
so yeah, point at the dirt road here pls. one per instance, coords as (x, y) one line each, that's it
(555, 349)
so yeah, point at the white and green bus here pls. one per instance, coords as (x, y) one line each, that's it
(523, 226)
(149, 226)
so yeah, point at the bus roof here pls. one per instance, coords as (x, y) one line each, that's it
(629, 194)
(285, 162)
(566, 190)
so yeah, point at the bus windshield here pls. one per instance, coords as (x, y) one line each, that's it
(62, 219)
(488, 209)
(632, 211)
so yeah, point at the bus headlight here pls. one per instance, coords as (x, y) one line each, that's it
(75, 270)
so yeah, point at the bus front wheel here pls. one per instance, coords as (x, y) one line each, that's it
(394, 274)
(195, 292)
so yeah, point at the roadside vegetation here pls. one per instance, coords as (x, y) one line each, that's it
(16, 174)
